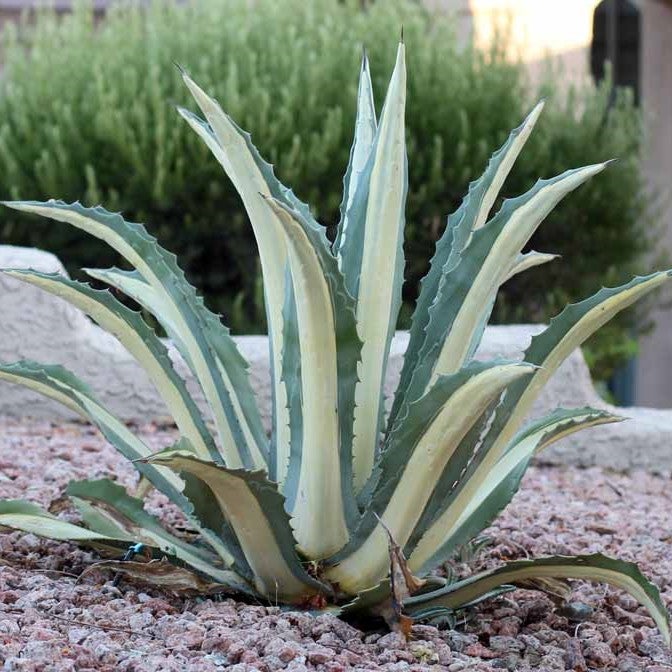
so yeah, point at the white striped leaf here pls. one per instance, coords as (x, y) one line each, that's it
(596, 567)
(471, 215)
(319, 484)
(566, 332)
(548, 350)
(373, 262)
(63, 386)
(417, 451)
(218, 366)
(107, 508)
(251, 176)
(255, 510)
(21, 515)
(529, 260)
(467, 292)
(365, 133)
(438, 536)
(140, 341)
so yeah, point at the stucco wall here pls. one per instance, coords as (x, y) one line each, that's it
(654, 370)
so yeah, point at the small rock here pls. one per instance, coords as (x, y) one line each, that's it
(501, 644)
(600, 654)
(509, 627)
(553, 659)
(392, 640)
(536, 610)
(424, 652)
(509, 662)
(319, 655)
(634, 619)
(575, 612)
(574, 659)
(477, 650)
(78, 635)
(631, 664)
(654, 649)
(458, 641)
(9, 627)
(457, 666)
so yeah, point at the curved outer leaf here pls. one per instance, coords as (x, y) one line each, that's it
(224, 381)
(321, 497)
(416, 453)
(467, 292)
(141, 341)
(471, 215)
(442, 535)
(365, 133)
(252, 176)
(132, 284)
(548, 350)
(529, 260)
(255, 509)
(373, 263)
(107, 508)
(596, 567)
(566, 332)
(63, 386)
(28, 517)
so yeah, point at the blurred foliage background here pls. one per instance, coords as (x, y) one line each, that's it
(87, 112)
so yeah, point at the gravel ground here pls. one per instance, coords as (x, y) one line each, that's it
(51, 621)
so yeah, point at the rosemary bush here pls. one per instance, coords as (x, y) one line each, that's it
(285, 72)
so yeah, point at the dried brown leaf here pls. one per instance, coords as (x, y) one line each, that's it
(159, 573)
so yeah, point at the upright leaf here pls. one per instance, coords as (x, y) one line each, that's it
(471, 215)
(319, 484)
(417, 451)
(252, 176)
(467, 292)
(373, 264)
(365, 133)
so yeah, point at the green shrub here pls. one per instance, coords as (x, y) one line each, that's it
(284, 71)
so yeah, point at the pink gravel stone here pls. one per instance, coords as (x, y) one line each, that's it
(557, 510)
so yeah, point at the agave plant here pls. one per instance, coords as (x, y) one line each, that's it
(345, 503)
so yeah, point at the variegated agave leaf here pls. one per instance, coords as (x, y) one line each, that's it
(548, 350)
(597, 567)
(319, 481)
(417, 451)
(255, 510)
(371, 257)
(141, 341)
(205, 341)
(470, 216)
